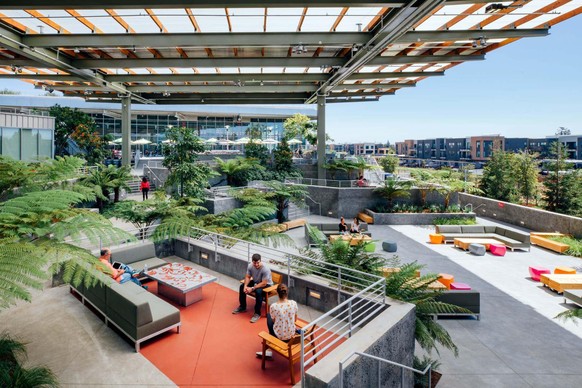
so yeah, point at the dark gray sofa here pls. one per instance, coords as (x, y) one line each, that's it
(137, 255)
(470, 300)
(575, 296)
(511, 238)
(139, 314)
(329, 229)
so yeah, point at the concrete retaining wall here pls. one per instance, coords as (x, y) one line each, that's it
(413, 218)
(348, 202)
(534, 219)
(389, 336)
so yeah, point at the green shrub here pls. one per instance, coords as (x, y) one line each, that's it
(454, 221)
(575, 245)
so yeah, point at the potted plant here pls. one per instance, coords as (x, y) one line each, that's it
(420, 381)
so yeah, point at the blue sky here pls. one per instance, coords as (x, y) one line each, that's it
(526, 89)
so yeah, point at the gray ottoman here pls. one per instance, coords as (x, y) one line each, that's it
(389, 246)
(477, 249)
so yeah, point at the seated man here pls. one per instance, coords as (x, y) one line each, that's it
(258, 276)
(121, 275)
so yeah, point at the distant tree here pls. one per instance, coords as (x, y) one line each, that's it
(8, 91)
(562, 185)
(283, 157)
(498, 180)
(389, 163)
(526, 173)
(73, 124)
(181, 159)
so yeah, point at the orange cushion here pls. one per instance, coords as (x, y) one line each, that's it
(565, 270)
(446, 279)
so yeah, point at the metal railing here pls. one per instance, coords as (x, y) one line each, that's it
(141, 235)
(342, 321)
(150, 174)
(360, 295)
(322, 182)
(402, 367)
(315, 203)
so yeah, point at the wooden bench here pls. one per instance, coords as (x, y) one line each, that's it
(294, 223)
(542, 240)
(366, 218)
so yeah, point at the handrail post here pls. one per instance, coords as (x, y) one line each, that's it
(350, 318)
(339, 286)
(429, 376)
(379, 365)
(341, 375)
(302, 358)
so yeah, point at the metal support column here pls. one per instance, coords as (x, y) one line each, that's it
(320, 136)
(125, 131)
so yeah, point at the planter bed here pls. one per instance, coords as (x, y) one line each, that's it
(413, 218)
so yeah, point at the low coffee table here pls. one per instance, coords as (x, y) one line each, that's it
(464, 243)
(353, 239)
(180, 283)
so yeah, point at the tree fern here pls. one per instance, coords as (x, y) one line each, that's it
(36, 231)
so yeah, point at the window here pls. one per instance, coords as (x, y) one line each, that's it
(29, 144)
(11, 142)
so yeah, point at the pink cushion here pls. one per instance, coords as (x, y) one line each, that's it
(535, 272)
(497, 249)
(460, 286)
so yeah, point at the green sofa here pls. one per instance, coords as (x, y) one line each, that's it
(511, 238)
(138, 314)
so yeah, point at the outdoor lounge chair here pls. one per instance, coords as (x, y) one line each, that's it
(269, 291)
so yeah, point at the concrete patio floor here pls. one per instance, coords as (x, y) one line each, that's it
(516, 343)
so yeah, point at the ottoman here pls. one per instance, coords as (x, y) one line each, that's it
(446, 279)
(460, 286)
(389, 246)
(370, 247)
(436, 238)
(497, 249)
(535, 272)
(565, 271)
(477, 249)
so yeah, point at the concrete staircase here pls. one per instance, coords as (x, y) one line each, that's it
(297, 212)
(136, 182)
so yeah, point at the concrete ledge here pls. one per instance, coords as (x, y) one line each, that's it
(390, 336)
(414, 218)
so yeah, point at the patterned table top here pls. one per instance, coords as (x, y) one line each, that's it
(180, 276)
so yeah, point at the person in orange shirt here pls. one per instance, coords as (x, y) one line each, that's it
(124, 274)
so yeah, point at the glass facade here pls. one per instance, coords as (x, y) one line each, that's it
(27, 144)
(153, 127)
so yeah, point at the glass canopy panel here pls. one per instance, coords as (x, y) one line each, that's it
(138, 19)
(471, 21)
(229, 70)
(211, 19)
(273, 70)
(283, 19)
(437, 67)
(355, 16)
(314, 70)
(295, 70)
(546, 18)
(28, 21)
(250, 70)
(443, 16)
(161, 70)
(140, 70)
(65, 20)
(368, 69)
(174, 20)
(505, 21)
(246, 19)
(320, 19)
(102, 20)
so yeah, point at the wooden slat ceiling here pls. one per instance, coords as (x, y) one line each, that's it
(196, 52)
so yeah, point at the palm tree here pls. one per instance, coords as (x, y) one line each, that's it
(101, 182)
(233, 168)
(12, 374)
(36, 231)
(407, 287)
(392, 189)
(282, 194)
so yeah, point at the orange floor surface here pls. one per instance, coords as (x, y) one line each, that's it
(215, 347)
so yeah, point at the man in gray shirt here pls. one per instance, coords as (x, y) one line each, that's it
(257, 278)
